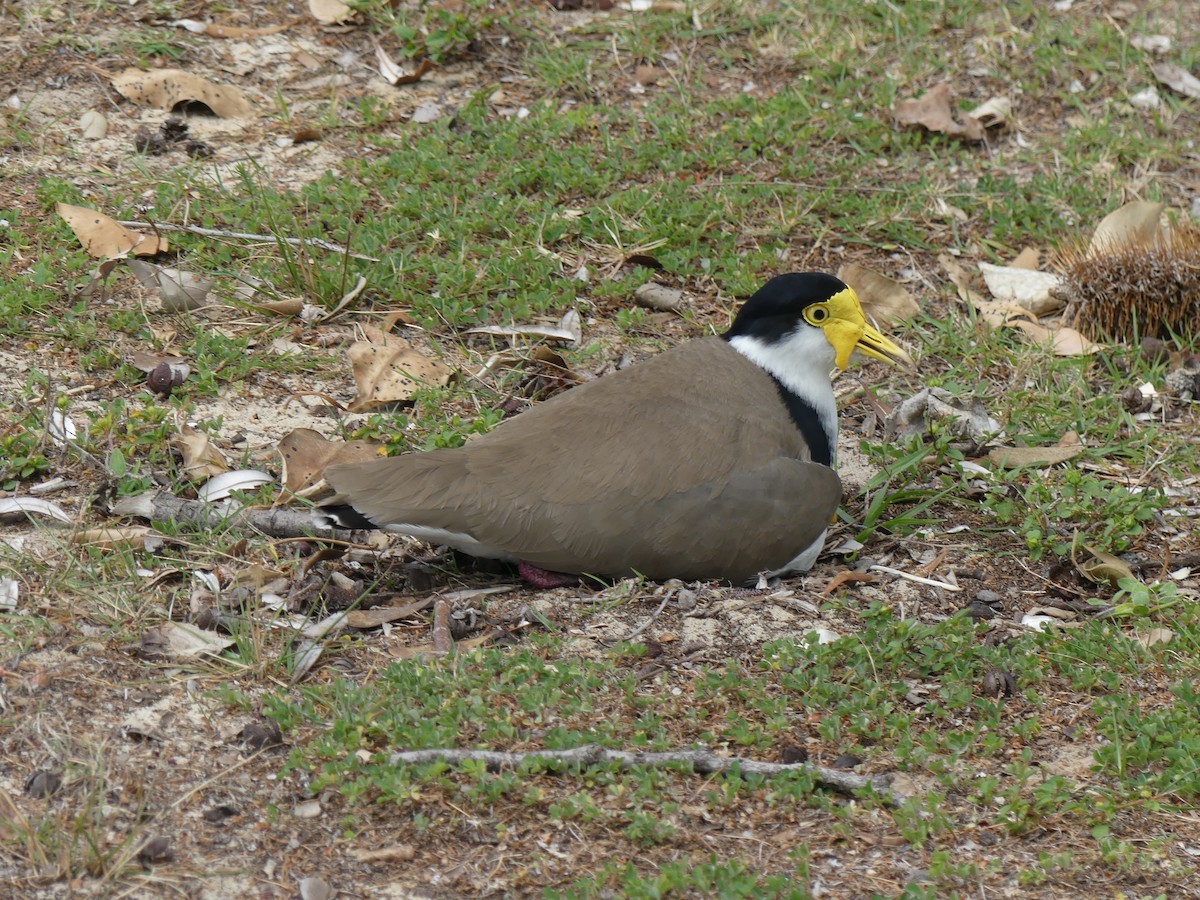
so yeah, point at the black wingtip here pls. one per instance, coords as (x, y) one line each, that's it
(342, 515)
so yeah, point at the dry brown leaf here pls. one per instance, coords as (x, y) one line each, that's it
(99, 276)
(959, 278)
(992, 113)
(1133, 224)
(148, 362)
(329, 12)
(1068, 447)
(167, 88)
(1154, 637)
(1102, 568)
(1065, 341)
(306, 453)
(387, 369)
(291, 306)
(183, 641)
(1028, 258)
(396, 76)
(1178, 79)
(932, 111)
(103, 238)
(201, 460)
(380, 615)
(178, 290)
(883, 299)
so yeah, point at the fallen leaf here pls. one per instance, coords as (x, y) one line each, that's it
(291, 306)
(1154, 637)
(387, 369)
(306, 454)
(647, 75)
(932, 112)
(1028, 258)
(1068, 447)
(1102, 568)
(394, 75)
(1133, 224)
(992, 113)
(20, 507)
(883, 299)
(201, 460)
(178, 290)
(1064, 341)
(965, 419)
(1178, 79)
(959, 278)
(167, 88)
(381, 615)
(182, 640)
(103, 238)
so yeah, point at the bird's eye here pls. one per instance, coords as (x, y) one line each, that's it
(816, 315)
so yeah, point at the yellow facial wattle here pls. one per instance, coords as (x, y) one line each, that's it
(847, 330)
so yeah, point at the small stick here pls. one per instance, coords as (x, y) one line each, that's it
(703, 762)
(944, 585)
(242, 236)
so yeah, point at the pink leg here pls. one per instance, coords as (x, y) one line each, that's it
(544, 579)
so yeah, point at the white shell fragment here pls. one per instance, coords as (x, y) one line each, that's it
(10, 593)
(61, 429)
(219, 487)
(1038, 623)
(1027, 288)
(94, 125)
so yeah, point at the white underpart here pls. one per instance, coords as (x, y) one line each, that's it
(802, 361)
(438, 537)
(804, 561)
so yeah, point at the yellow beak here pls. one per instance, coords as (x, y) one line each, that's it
(847, 330)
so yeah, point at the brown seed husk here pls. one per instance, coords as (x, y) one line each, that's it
(1147, 289)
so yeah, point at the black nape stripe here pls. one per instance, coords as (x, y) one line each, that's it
(806, 419)
(345, 516)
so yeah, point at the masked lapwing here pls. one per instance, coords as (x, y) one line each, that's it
(710, 461)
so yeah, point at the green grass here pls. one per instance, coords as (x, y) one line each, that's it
(768, 145)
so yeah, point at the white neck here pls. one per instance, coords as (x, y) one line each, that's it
(801, 361)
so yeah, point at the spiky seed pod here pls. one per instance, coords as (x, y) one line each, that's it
(1146, 289)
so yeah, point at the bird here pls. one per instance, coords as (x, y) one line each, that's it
(710, 461)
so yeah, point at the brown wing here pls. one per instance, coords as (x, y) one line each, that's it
(677, 463)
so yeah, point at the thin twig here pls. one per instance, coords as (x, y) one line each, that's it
(944, 585)
(703, 762)
(319, 243)
(633, 635)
